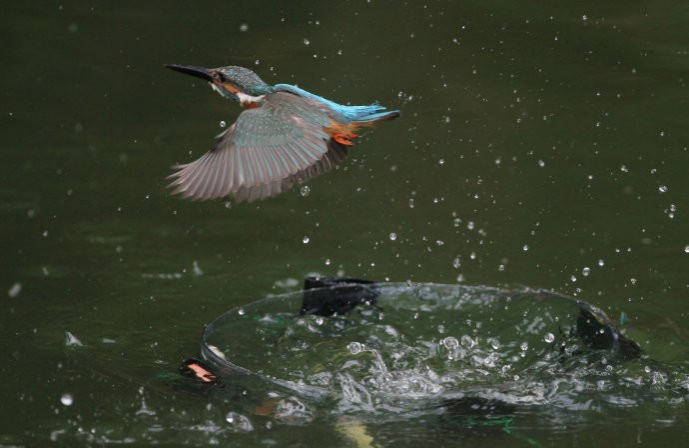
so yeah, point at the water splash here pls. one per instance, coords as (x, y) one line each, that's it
(418, 346)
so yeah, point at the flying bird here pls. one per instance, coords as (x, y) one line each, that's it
(284, 136)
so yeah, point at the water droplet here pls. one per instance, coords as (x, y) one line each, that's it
(196, 269)
(524, 346)
(222, 123)
(355, 348)
(293, 411)
(456, 263)
(624, 169)
(393, 236)
(541, 163)
(307, 42)
(663, 189)
(441, 162)
(244, 27)
(72, 341)
(241, 311)
(411, 202)
(467, 341)
(686, 249)
(305, 190)
(450, 343)
(306, 240)
(601, 262)
(586, 271)
(525, 247)
(441, 328)
(239, 422)
(327, 262)
(67, 399)
(549, 337)
(17, 288)
(495, 344)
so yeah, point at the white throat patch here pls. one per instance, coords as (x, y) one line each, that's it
(245, 99)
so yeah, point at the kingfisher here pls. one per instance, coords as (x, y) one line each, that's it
(283, 137)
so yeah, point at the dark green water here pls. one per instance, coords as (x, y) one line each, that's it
(540, 145)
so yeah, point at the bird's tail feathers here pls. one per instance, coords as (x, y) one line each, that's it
(385, 115)
(362, 114)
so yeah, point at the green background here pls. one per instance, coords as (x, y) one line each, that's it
(540, 144)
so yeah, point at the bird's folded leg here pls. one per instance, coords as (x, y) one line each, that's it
(344, 139)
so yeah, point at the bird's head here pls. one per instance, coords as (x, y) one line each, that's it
(229, 82)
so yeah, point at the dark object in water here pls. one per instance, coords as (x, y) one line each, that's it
(199, 371)
(598, 332)
(328, 296)
(478, 407)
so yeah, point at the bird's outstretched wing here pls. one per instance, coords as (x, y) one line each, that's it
(265, 152)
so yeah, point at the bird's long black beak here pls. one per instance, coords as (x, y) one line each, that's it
(199, 72)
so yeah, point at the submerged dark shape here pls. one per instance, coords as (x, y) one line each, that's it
(284, 137)
(598, 332)
(199, 371)
(328, 296)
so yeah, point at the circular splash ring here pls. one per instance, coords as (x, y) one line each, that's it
(400, 341)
